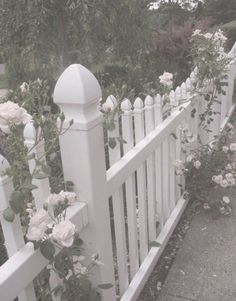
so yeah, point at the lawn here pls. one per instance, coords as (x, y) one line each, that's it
(3, 81)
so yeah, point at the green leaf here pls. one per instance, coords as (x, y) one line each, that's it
(62, 116)
(46, 169)
(9, 215)
(17, 201)
(84, 284)
(174, 135)
(154, 244)
(105, 286)
(47, 249)
(28, 185)
(110, 126)
(112, 142)
(121, 140)
(40, 175)
(58, 291)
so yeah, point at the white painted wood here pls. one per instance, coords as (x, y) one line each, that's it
(151, 193)
(172, 99)
(157, 109)
(165, 179)
(128, 136)
(13, 234)
(121, 170)
(184, 93)
(154, 254)
(189, 88)
(158, 167)
(26, 264)
(77, 93)
(178, 96)
(35, 145)
(118, 208)
(178, 188)
(172, 177)
(141, 181)
(229, 115)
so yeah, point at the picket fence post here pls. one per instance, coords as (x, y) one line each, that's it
(77, 92)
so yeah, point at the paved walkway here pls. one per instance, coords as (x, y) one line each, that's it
(205, 266)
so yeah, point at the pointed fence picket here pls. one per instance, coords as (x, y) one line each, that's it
(141, 181)
(118, 207)
(151, 193)
(128, 136)
(158, 166)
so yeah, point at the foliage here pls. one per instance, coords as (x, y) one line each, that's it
(49, 35)
(210, 61)
(221, 11)
(210, 174)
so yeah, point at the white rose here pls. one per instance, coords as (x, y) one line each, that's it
(197, 164)
(178, 163)
(229, 176)
(206, 206)
(231, 182)
(226, 200)
(228, 167)
(224, 183)
(68, 197)
(208, 35)
(225, 149)
(232, 147)
(63, 233)
(189, 158)
(24, 88)
(53, 199)
(11, 113)
(218, 179)
(166, 79)
(106, 107)
(196, 32)
(36, 233)
(40, 217)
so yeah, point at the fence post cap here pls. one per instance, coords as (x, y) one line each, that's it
(77, 85)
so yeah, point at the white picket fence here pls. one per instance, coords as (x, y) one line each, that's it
(137, 200)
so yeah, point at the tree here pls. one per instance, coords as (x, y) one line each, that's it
(40, 37)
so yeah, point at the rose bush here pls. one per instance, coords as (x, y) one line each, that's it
(210, 174)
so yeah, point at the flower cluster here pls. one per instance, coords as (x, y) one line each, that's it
(209, 171)
(166, 79)
(64, 197)
(43, 226)
(225, 181)
(12, 114)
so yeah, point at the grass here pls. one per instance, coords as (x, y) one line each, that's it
(3, 81)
